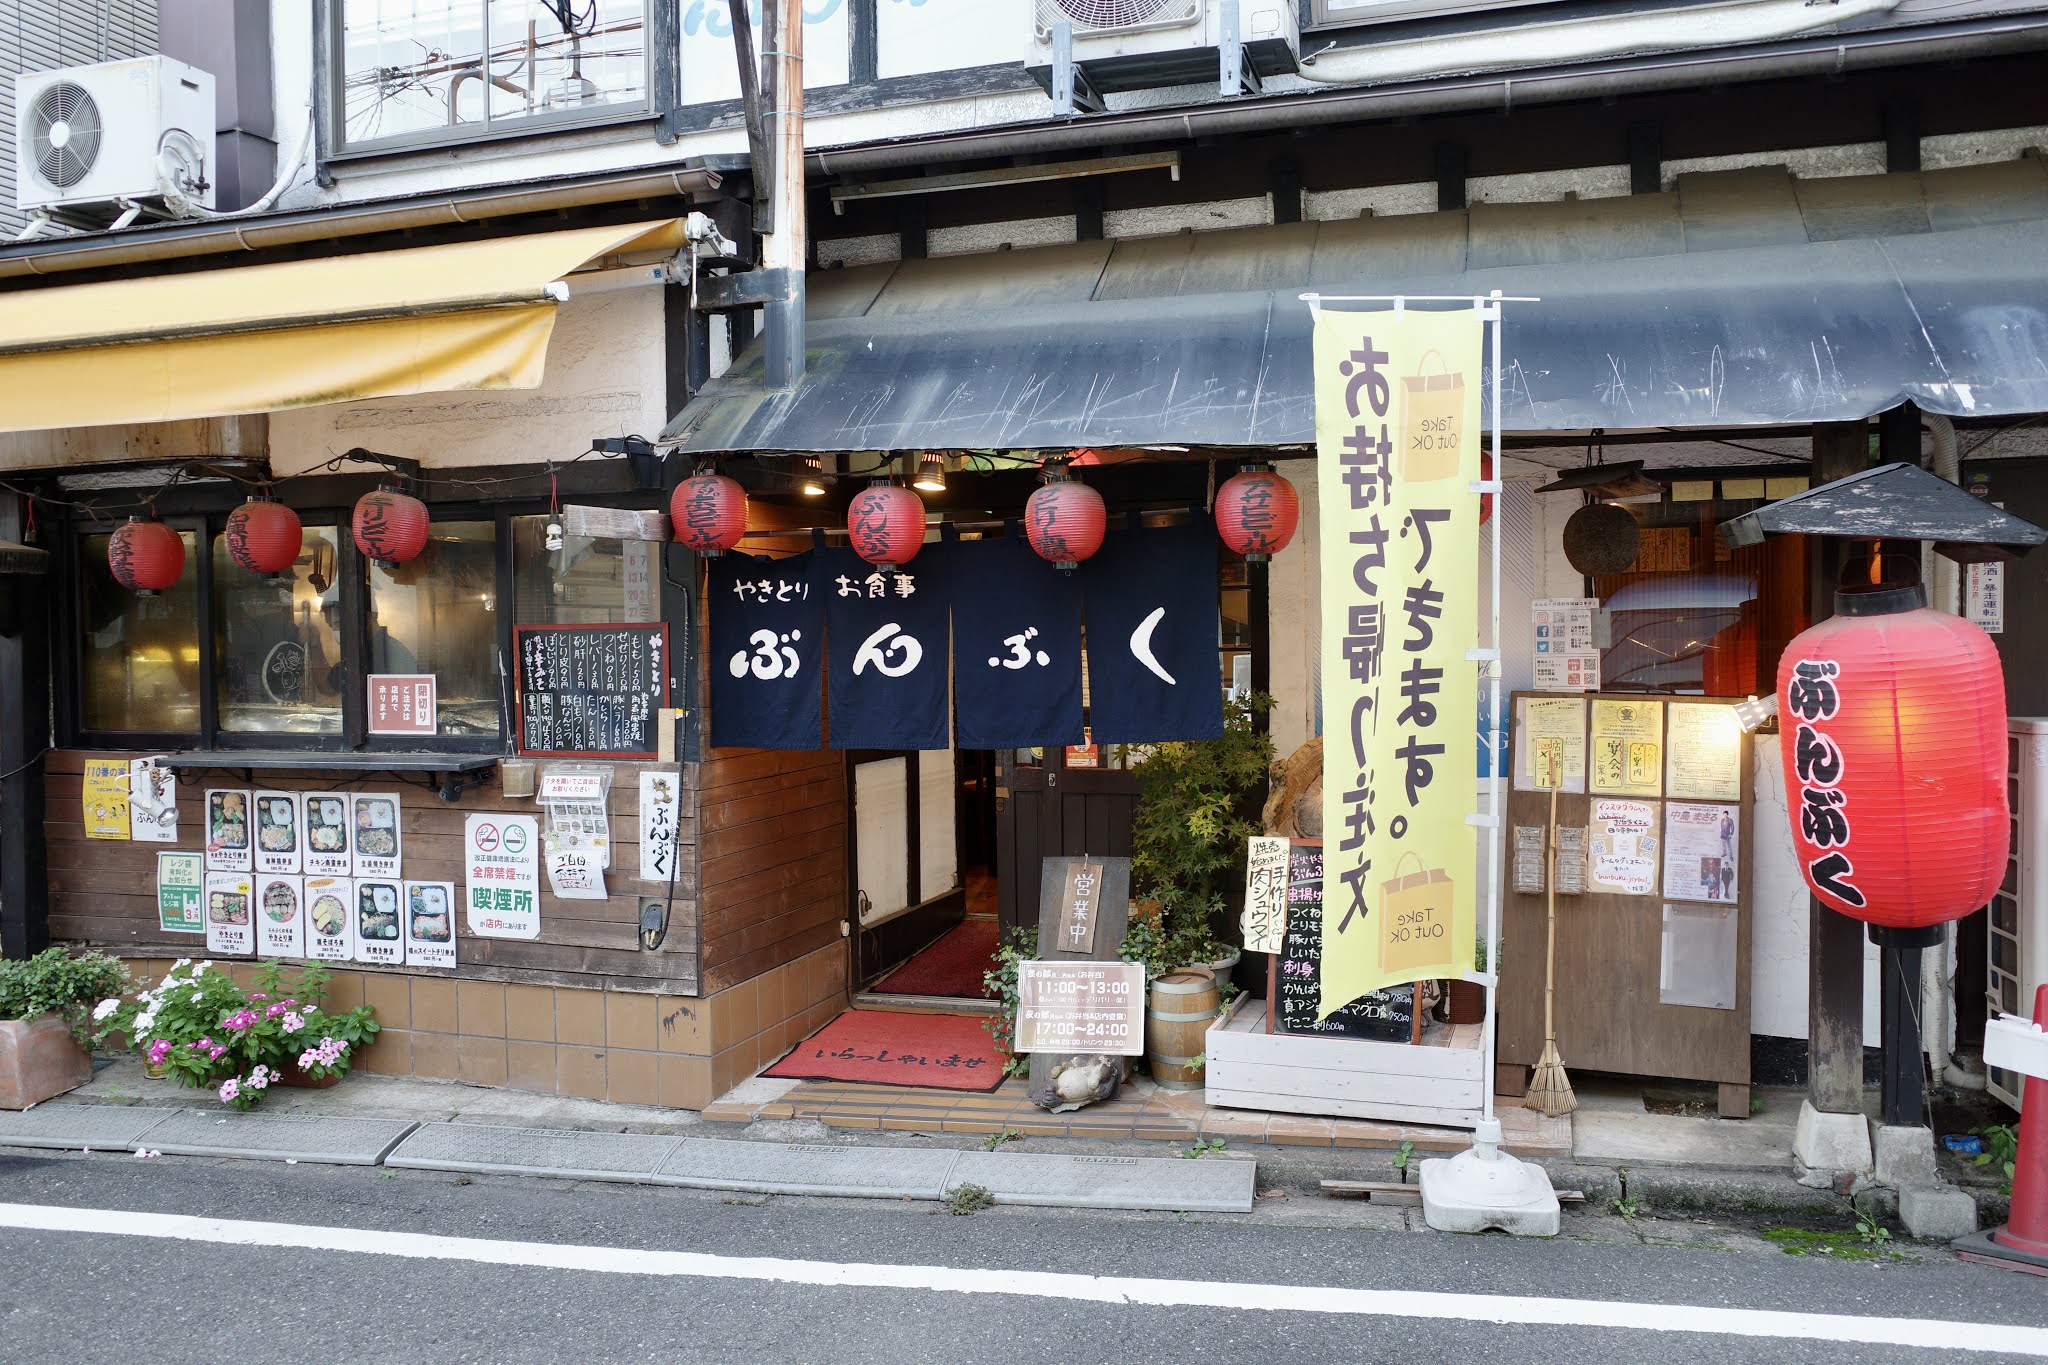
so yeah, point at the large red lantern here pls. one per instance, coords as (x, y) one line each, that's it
(1893, 725)
(1256, 513)
(886, 525)
(708, 513)
(264, 537)
(390, 526)
(1064, 520)
(146, 556)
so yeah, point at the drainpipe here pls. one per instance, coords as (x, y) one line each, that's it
(782, 251)
(1938, 995)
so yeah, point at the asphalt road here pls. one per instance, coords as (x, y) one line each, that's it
(588, 1272)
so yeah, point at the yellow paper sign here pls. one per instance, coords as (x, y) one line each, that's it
(1628, 747)
(1398, 433)
(105, 795)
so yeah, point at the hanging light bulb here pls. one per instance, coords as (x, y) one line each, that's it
(813, 484)
(931, 473)
(552, 538)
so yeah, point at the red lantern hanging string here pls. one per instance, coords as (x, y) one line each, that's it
(28, 531)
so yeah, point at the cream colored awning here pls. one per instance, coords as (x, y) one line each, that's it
(219, 343)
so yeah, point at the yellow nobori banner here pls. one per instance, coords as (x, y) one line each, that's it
(1398, 436)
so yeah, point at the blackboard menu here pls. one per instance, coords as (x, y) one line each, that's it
(591, 689)
(1297, 987)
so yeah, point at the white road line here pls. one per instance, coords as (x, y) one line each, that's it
(1926, 1333)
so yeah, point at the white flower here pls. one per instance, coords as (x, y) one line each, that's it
(205, 966)
(105, 1009)
(181, 962)
(143, 1022)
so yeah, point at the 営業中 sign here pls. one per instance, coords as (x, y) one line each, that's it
(1081, 1007)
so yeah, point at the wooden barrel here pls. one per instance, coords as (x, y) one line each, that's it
(1177, 1020)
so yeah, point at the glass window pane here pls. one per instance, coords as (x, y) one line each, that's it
(411, 66)
(141, 656)
(586, 582)
(565, 56)
(277, 651)
(438, 614)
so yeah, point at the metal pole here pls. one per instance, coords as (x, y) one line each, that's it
(782, 252)
(1495, 786)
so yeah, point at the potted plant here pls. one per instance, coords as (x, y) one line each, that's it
(210, 1033)
(1197, 808)
(44, 1028)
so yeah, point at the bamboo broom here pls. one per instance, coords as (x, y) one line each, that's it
(1550, 1090)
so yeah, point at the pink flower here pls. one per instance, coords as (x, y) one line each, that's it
(259, 1079)
(159, 1050)
(259, 996)
(293, 1022)
(229, 1089)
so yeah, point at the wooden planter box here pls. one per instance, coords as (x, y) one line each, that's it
(39, 1059)
(1441, 1081)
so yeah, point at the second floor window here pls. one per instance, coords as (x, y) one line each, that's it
(432, 70)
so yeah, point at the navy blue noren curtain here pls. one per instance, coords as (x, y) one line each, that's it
(887, 649)
(1155, 668)
(1016, 647)
(767, 653)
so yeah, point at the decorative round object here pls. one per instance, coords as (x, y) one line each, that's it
(146, 556)
(390, 526)
(886, 525)
(264, 537)
(1601, 538)
(1892, 722)
(708, 513)
(1256, 513)
(1064, 520)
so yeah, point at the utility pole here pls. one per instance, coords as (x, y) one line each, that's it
(782, 251)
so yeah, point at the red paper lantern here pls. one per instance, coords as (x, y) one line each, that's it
(1064, 521)
(1893, 732)
(264, 537)
(146, 556)
(886, 525)
(390, 526)
(708, 513)
(1256, 512)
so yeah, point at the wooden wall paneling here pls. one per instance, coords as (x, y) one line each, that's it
(1609, 954)
(770, 859)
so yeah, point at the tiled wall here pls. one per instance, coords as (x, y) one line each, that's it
(675, 1051)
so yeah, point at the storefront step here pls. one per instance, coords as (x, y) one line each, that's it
(926, 1004)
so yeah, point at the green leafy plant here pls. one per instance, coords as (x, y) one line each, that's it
(55, 982)
(1628, 1206)
(1402, 1159)
(996, 1141)
(1197, 806)
(962, 1200)
(1203, 1147)
(1869, 1231)
(208, 1032)
(2001, 1150)
(1000, 981)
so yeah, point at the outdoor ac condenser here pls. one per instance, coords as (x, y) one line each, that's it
(94, 143)
(1145, 44)
(2018, 928)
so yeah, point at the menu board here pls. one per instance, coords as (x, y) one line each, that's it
(280, 914)
(379, 937)
(1296, 980)
(330, 919)
(278, 833)
(592, 689)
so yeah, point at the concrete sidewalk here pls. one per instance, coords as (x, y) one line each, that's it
(1677, 1164)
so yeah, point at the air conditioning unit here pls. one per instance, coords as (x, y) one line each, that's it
(2018, 927)
(1114, 45)
(96, 146)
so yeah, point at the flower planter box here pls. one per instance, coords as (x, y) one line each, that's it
(1440, 1082)
(39, 1059)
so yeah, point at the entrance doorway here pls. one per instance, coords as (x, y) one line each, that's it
(1054, 802)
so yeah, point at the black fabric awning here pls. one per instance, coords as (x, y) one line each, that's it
(1743, 298)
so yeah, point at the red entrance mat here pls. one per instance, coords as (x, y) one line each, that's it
(946, 1051)
(952, 966)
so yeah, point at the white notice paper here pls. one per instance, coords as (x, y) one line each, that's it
(229, 932)
(280, 915)
(1265, 894)
(1625, 847)
(1700, 854)
(660, 803)
(573, 872)
(1984, 597)
(430, 924)
(501, 858)
(330, 919)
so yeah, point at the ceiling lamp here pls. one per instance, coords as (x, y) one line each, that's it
(886, 524)
(146, 556)
(390, 527)
(813, 482)
(264, 537)
(1064, 519)
(931, 473)
(708, 513)
(1256, 513)
(1892, 722)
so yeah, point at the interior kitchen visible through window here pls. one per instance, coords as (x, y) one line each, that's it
(438, 614)
(140, 655)
(278, 641)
